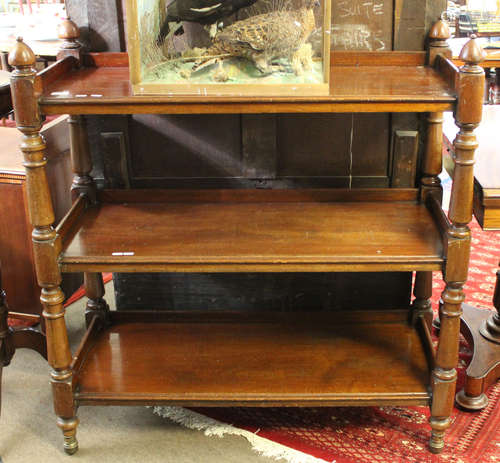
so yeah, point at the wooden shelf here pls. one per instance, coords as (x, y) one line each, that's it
(254, 230)
(104, 88)
(355, 358)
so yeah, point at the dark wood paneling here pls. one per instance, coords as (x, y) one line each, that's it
(254, 291)
(356, 24)
(404, 158)
(185, 146)
(412, 20)
(362, 25)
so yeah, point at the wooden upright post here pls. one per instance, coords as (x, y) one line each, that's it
(470, 89)
(432, 165)
(83, 183)
(46, 245)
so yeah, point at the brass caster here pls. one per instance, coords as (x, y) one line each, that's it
(70, 445)
(471, 404)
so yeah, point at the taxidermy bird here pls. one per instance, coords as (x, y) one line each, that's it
(206, 12)
(263, 38)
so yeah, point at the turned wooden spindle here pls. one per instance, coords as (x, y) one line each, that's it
(432, 165)
(84, 185)
(96, 305)
(46, 245)
(69, 33)
(422, 305)
(81, 162)
(470, 89)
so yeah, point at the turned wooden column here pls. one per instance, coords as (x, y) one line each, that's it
(83, 183)
(46, 245)
(432, 165)
(470, 90)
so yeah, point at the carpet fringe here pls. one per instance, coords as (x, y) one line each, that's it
(211, 427)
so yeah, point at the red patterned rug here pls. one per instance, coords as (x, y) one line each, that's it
(371, 434)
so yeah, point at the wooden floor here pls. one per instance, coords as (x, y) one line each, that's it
(294, 359)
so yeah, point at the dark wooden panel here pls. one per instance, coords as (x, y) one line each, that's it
(362, 25)
(259, 140)
(254, 291)
(101, 23)
(185, 146)
(334, 146)
(370, 159)
(412, 21)
(404, 158)
(313, 145)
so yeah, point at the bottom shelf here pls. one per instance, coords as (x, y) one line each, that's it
(348, 358)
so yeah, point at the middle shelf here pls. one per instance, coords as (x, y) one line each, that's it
(252, 231)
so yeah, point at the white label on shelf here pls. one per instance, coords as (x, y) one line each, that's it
(123, 253)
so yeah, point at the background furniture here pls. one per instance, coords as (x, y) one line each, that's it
(6, 345)
(16, 251)
(272, 358)
(5, 99)
(486, 169)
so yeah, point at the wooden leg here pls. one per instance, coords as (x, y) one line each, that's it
(468, 112)
(422, 306)
(444, 375)
(46, 243)
(96, 305)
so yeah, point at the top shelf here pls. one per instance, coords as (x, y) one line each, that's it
(360, 82)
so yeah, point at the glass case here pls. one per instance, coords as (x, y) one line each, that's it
(229, 47)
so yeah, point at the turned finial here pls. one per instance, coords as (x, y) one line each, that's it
(69, 32)
(21, 56)
(472, 53)
(440, 31)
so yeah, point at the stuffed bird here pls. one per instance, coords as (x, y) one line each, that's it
(263, 38)
(206, 12)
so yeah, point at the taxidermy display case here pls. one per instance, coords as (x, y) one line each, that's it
(229, 47)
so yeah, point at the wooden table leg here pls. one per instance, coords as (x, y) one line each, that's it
(482, 331)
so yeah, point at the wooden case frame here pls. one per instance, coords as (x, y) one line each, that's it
(252, 89)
